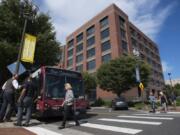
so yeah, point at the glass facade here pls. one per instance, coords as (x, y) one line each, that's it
(105, 46)
(79, 58)
(123, 34)
(104, 22)
(79, 48)
(124, 46)
(90, 41)
(106, 58)
(79, 37)
(91, 53)
(70, 53)
(79, 68)
(70, 43)
(69, 62)
(91, 65)
(122, 22)
(105, 33)
(90, 31)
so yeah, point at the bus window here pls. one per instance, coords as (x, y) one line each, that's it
(55, 86)
(37, 81)
(76, 84)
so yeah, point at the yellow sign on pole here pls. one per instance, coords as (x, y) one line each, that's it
(141, 86)
(28, 48)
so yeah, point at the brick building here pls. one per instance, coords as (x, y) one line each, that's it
(106, 36)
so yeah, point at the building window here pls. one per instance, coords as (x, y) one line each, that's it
(69, 62)
(79, 48)
(105, 33)
(104, 22)
(124, 46)
(79, 37)
(122, 22)
(91, 65)
(70, 52)
(79, 68)
(90, 41)
(106, 46)
(90, 52)
(106, 58)
(70, 43)
(79, 58)
(90, 30)
(123, 34)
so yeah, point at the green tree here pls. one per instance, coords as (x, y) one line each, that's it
(168, 89)
(89, 82)
(118, 75)
(177, 89)
(11, 26)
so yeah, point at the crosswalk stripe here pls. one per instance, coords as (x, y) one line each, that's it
(131, 121)
(148, 114)
(142, 117)
(112, 128)
(41, 131)
(173, 112)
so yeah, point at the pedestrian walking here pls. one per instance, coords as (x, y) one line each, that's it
(152, 101)
(25, 102)
(8, 104)
(164, 101)
(68, 106)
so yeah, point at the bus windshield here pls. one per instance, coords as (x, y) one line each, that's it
(55, 81)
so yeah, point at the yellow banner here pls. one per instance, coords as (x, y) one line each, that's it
(28, 48)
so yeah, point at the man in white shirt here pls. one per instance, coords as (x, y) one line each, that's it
(8, 98)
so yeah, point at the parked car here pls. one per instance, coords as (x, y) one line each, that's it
(119, 103)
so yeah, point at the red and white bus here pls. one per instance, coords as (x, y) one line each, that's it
(50, 91)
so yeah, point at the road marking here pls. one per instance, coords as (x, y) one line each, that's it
(112, 128)
(173, 112)
(41, 131)
(142, 117)
(132, 121)
(148, 114)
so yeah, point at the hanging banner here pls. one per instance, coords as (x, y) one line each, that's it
(28, 48)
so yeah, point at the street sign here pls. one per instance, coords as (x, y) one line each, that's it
(12, 68)
(28, 48)
(141, 86)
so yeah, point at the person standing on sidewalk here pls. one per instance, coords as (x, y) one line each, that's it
(9, 88)
(152, 100)
(68, 105)
(25, 101)
(164, 101)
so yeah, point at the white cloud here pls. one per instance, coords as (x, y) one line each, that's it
(166, 67)
(68, 15)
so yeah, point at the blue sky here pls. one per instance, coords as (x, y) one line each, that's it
(159, 19)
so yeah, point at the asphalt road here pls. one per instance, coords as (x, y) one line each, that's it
(104, 121)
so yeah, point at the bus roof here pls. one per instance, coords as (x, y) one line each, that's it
(34, 74)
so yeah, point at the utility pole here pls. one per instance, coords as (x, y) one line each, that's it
(28, 11)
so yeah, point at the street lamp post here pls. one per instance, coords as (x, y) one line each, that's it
(169, 74)
(28, 11)
(138, 78)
